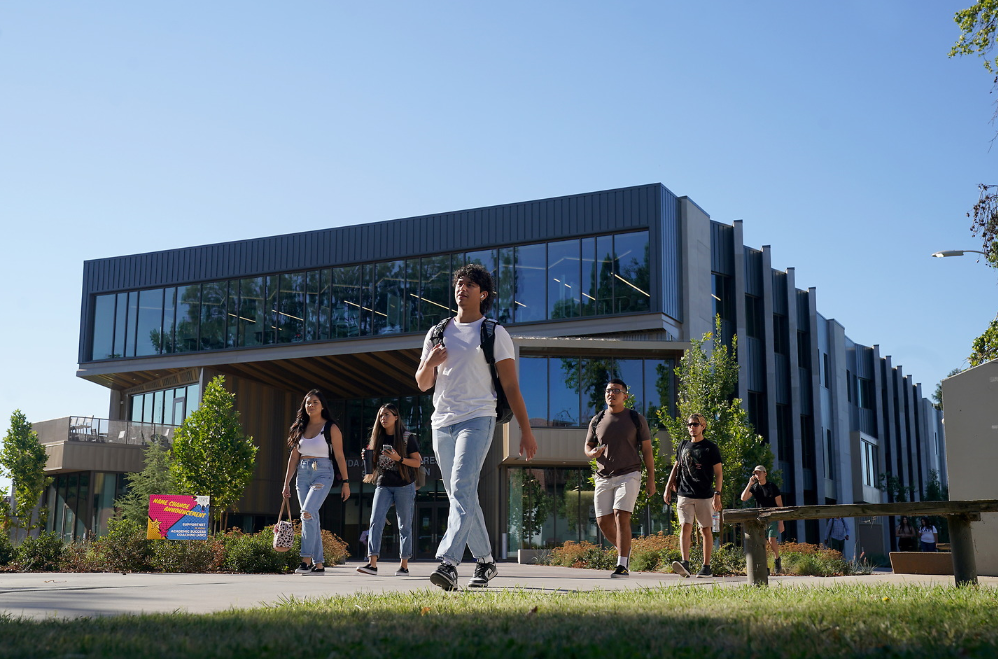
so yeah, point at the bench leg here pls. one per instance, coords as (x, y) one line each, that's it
(755, 553)
(962, 546)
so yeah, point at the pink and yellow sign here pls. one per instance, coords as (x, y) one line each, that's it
(178, 517)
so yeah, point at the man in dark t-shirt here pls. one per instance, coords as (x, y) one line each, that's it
(696, 478)
(619, 441)
(767, 495)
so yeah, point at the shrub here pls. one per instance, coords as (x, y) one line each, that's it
(188, 555)
(254, 553)
(123, 548)
(654, 552)
(39, 554)
(80, 556)
(6, 549)
(333, 547)
(805, 559)
(727, 560)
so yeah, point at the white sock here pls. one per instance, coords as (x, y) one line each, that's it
(487, 559)
(623, 560)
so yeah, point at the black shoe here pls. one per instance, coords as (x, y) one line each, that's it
(317, 571)
(682, 568)
(402, 572)
(704, 572)
(620, 573)
(777, 568)
(368, 569)
(303, 568)
(483, 574)
(445, 576)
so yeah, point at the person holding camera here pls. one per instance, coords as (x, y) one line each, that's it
(767, 495)
(393, 454)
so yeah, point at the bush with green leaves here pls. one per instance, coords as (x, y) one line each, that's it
(41, 553)
(123, 548)
(187, 555)
(6, 549)
(253, 553)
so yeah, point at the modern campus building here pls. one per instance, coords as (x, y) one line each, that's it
(613, 282)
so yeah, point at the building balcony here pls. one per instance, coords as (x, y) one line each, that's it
(79, 443)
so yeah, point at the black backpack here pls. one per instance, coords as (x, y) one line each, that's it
(635, 418)
(488, 339)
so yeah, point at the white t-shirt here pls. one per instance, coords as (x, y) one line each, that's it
(463, 388)
(927, 534)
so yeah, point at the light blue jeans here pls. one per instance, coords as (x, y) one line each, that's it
(313, 480)
(461, 449)
(404, 499)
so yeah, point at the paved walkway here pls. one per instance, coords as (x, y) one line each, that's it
(45, 595)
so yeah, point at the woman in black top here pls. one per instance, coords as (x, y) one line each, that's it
(393, 455)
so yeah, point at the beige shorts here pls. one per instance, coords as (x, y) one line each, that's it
(702, 510)
(616, 493)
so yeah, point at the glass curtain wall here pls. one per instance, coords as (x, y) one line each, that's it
(563, 279)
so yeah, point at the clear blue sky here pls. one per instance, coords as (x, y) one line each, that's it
(839, 132)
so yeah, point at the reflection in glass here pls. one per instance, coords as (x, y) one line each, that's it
(658, 384)
(71, 505)
(311, 315)
(251, 311)
(120, 312)
(564, 279)
(324, 309)
(564, 392)
(290, 314)
(589, 276)
(504, 301)
(188, 314)
(632, 276)
(604, 275)
(530, 283)
(389, 294)
(130, 322)
(534, 387)
(270, 308)
(435, 295)
(169, 317)
(149, 322)
(193, 399)
(232, 314)
(595, 374)
(214, 304)
(487, 258)
(103, 345)
(345, 302)
(629, 370)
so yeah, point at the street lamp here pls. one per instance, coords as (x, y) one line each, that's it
(957, 252)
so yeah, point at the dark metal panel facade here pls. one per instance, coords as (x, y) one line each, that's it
(610, 211)
(722, 248)
(753, 272)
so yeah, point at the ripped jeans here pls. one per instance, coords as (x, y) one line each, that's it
(313, 481)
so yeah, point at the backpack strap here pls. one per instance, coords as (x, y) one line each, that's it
(437, 333)
(488, 340)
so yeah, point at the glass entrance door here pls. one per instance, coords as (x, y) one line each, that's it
(431, 522)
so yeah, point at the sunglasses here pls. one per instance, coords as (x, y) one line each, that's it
(693, 424)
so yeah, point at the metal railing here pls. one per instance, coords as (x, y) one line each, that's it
(91, 429)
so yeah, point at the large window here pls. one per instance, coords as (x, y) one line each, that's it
(870, 466)
(568, 391)
(564, 279)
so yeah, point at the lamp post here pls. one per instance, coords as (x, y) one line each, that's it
(957, 252)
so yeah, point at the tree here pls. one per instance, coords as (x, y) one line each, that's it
(211, 454)
(985, 347)
(977, 37)
(706, 384)
(155, 478)
(22, 459)
(937, 395)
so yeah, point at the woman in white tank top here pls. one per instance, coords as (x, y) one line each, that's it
(313, 438)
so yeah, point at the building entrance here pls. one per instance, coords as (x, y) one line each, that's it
(431, 523)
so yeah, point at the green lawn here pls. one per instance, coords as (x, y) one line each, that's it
(700, 622)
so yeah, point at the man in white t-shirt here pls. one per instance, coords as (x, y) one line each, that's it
(464, 420)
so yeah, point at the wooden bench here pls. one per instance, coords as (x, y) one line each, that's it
(959, 515)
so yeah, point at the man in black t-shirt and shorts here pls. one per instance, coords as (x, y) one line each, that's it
(696, 478)
(767, 495)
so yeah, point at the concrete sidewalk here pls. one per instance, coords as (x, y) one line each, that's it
(59, 595)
